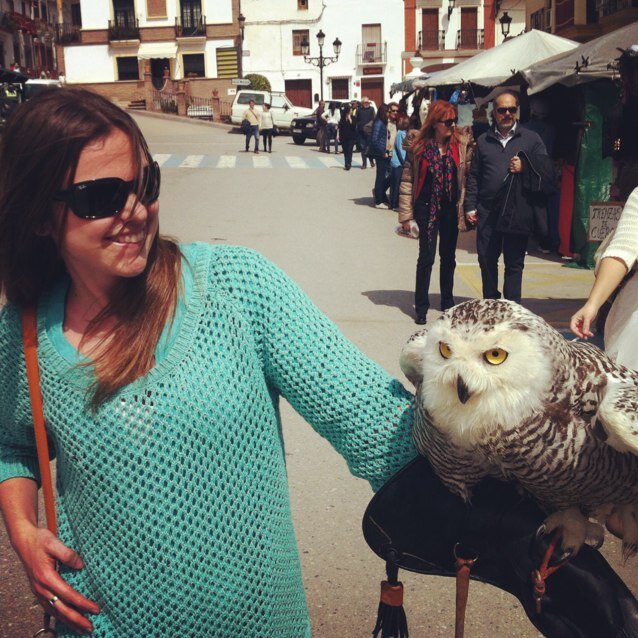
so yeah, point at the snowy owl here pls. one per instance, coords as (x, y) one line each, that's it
(501, 393)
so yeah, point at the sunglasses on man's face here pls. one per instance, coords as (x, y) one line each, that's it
(449, 123)
(107, 196)
(501, 110)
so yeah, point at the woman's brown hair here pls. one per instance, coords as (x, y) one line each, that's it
(438, 112)
(39, 155)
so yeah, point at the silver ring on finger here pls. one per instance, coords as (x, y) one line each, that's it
(53, 600)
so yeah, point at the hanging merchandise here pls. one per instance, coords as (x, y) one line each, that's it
(594, 173)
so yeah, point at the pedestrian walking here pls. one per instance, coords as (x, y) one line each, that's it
(347, 135)
(267, 128)
(497, 156)
(332, 117)
(321, 126)
(162, 366)
(397, 160)
(616, 279)
(365, 120)
(253, 117)
(378, 150)
(431, 186)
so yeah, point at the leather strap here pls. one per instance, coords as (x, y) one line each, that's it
(463, 568)
(30, 338)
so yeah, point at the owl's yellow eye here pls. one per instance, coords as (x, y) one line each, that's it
(495, 356)
(445, 350)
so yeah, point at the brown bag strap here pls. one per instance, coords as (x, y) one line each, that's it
(30, 338)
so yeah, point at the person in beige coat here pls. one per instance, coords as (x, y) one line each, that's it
(431, 193)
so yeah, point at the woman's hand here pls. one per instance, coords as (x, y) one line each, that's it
(582, 320)
(39, 550)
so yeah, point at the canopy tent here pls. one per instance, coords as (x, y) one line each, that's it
(493, 66)
(410, 83)
(593, 60)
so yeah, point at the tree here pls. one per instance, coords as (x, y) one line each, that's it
(258, 82)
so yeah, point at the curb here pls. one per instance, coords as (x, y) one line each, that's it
(179, 118)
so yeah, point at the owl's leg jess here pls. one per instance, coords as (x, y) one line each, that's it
(576, 528)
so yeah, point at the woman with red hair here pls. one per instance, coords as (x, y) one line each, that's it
(431, 193)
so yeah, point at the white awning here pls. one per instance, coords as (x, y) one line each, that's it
(160, 50)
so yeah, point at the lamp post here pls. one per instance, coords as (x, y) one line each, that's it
(240, 44)
(505, 21)
(320, 61)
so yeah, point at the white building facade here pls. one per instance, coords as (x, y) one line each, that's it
(371, 33)
(187, 38)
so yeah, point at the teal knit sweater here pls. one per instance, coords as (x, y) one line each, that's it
(175, 491)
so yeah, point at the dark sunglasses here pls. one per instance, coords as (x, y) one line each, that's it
(449, 123)
(501, 110)
(106, 197)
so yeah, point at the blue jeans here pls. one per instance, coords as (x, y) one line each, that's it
(381, 181)
(254, 132)
(397, 171)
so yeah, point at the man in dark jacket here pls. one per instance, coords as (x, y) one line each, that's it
(364, 118)
(497, 157)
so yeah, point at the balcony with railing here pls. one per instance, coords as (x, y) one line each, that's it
(67, 33)
(609, 7)
(125, 26)
(431, 40)
(372, 53)
(469, 39)
(188, 26)
(541, 20)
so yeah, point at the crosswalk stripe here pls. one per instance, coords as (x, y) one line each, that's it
(227, 161)
(296, 162)
(192, 161)
(262, 162)
(161, 158)
(330, 161)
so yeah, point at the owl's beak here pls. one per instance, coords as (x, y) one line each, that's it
(462, 390)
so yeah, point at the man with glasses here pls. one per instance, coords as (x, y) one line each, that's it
(495, 158)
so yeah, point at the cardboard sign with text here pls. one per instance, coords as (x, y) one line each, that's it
(603, 219)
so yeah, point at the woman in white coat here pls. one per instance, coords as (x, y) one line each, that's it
(616, 263)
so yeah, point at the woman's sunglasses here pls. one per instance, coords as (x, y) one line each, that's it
(449, 123)
(106, 197)
(501, 110)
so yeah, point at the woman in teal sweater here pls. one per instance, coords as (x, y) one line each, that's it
(162, 366)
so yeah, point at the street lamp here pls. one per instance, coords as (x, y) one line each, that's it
(241, 19)
(450, 8)
(320, 61)
(505, 21)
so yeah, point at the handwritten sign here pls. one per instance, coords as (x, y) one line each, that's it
(603, 219)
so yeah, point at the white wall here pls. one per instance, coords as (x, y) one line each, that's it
(91, 63)
(268, 39)
(217, 11)
(95, 13)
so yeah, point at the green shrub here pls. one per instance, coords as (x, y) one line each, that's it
(258, 82)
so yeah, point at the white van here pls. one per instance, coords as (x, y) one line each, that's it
(282, 109)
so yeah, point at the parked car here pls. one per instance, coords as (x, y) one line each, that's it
(305, 128)
(282, 109)
(33, 87)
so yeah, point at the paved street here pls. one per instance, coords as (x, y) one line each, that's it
(314, 219)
